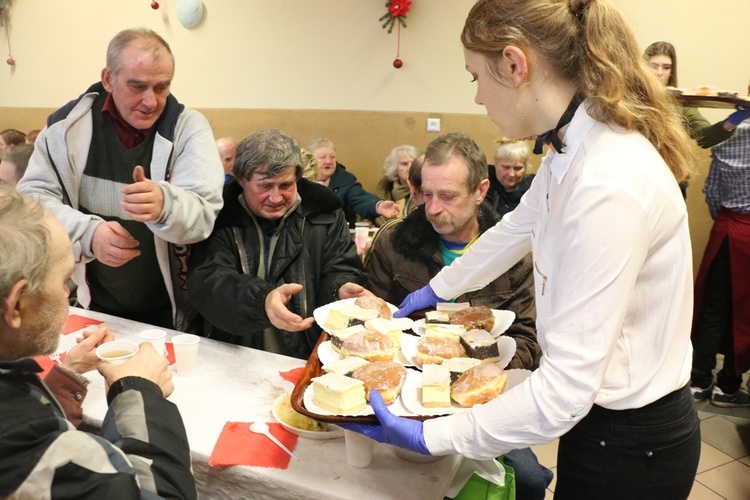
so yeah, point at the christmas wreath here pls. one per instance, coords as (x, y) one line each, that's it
(397, 10)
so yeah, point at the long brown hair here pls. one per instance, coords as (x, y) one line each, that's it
(664, 49)
(588, 43)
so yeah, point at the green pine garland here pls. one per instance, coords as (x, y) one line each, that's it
(389, 21)
(5, 11)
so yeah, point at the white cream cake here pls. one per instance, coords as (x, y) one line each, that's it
(345, 366)
(436, 386)
(387, 328)
(339, 394)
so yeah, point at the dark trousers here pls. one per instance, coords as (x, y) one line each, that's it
(644, 453)
(713, 332)
(532, 478)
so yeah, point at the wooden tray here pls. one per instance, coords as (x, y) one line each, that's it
(704, 101)
(314, 369)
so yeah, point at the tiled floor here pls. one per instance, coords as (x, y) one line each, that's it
(724, 468)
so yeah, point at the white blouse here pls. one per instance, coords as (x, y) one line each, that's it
(613, 275)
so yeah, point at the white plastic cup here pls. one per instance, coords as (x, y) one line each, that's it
(116, 352)
(361, 234)
(186, 353)
(358, 449)
(156, 338)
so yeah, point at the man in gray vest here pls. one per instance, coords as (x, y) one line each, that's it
(134, 177)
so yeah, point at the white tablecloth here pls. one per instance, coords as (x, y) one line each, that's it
(234, 383)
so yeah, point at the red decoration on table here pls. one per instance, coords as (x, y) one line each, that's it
(170, 352)
(76, 322)
(292, 375)
(47, 363)
(238, 446)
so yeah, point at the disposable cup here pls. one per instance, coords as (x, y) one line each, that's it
(116, 352)
(360, 236)
(186, 353)
(358, 449)
(157, 339)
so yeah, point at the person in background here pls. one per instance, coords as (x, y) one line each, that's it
(356, 200)
(409, 252)
(414, 182)
(310, 170)
(42, 455)
(394, 184)
(721, 318)
(13, 163)
(612, 260)
(11, 137)
(227, 150)
(280, 249)
(662, 57)
(32, 135)
(134, 176)
(508, 178)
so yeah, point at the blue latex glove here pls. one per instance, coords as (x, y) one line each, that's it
(402, 432)
(739, 116)
(420, 299)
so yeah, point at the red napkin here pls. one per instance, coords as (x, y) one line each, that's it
(238, 446)
(170, 352)
(46, 363)
(76, 322)
(292, 375)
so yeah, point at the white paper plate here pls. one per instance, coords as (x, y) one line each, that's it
(321, 314)
(327, 354)
(503, 320)
(411, 394)
(397, 407)
(333, 432)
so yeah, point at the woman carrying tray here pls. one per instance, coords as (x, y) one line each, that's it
(613, 268)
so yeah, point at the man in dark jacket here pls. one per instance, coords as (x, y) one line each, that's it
(280, 248)
(42, 455)
(407, 253)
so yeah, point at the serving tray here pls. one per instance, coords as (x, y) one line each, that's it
(709, 101)
(313, 368)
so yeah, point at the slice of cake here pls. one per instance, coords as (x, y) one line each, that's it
(451, 307)
(345, 366)
(346, 315)
(339, 394)
(339, 336)
(456, 366)
(372, 346)
(452, 332)
(387, 328)
(436, 386)
(480, 345)
(436, 317)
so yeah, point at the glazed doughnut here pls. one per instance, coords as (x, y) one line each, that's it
(386, 377)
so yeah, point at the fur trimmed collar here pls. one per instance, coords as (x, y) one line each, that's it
(415, 238)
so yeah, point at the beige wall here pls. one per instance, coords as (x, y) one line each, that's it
(323, 67)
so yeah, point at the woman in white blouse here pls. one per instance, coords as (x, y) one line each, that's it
(608, 228)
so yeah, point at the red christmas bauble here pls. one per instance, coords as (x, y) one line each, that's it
(11, 61)
(397, 63)
(154, 5)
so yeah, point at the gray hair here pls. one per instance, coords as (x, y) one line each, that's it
(267, 152)
(153, 42)
(512, 150)
(390, 167)
(461, 145)
(319, 143)
(19, 156)
(24, 242)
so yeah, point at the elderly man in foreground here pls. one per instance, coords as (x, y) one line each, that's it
(142, 451)
(281, 248)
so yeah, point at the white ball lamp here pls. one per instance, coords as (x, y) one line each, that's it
(189, 12)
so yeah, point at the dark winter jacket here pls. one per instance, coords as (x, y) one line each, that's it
(142, 452)
(405, 256)
(311, 246)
